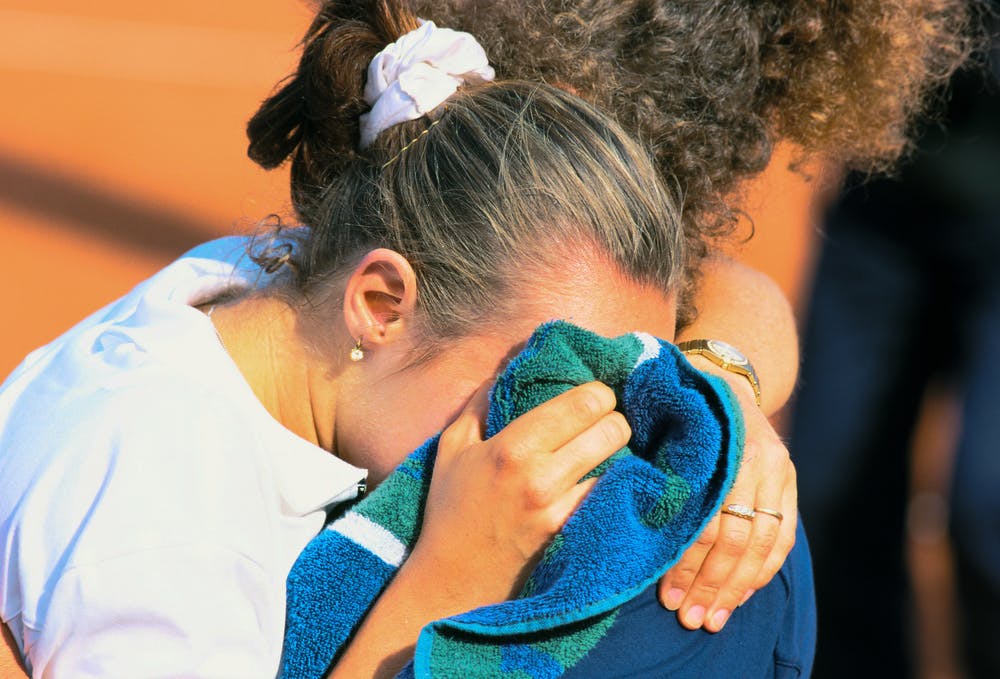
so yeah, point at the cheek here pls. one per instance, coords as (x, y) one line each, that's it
(410, 416)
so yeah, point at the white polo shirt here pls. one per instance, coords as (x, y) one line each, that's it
(150, 507)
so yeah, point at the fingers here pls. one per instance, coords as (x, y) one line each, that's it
(563, 508)
(510, 494)
(562, 470)
(468, 426)
(554, 445)
(712, 595)
(743, 547)
(676, 583)
(547, 427)
(555, 423)
(736, 556)
(786, 532)
(559, 442)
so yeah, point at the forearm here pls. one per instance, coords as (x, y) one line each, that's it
(387, 637)
(419, 594)
(745, 308)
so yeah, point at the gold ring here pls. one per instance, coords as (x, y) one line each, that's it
(742, 511)
(770, 512)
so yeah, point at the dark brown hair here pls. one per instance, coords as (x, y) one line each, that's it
(710, 85)
(504, 178)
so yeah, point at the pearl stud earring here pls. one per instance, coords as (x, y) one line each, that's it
(356, 352)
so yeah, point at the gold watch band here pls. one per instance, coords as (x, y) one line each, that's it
(727, 357)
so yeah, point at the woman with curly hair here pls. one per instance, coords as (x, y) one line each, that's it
(711, 87)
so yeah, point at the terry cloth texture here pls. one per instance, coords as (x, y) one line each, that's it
(652, 500)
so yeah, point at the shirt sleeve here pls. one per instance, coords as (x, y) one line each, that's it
(186, 611)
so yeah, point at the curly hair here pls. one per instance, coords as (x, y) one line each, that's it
(711, 85)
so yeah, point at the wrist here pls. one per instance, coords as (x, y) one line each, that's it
(739, 385)
(725, 361)
(462, 582)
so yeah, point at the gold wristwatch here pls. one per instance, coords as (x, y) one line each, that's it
(726, 356)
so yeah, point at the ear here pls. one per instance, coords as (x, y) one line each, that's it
(380, 298)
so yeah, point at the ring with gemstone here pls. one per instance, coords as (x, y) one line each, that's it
(742, 511)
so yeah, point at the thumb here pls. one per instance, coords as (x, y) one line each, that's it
(470, 425)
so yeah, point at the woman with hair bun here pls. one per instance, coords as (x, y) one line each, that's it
(165, 461)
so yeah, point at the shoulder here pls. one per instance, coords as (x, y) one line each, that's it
(150, 515)
(775, 628)
(102, 471)
(157, 612)
(90, 413)
(147, 435)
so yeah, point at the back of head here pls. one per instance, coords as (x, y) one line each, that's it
(495, 185)
(711, 85)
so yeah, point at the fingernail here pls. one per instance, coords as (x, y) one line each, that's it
(674, 598)
(695, 616)
(746, 597)
(720, 618)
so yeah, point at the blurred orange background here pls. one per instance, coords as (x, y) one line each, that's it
(121, 144)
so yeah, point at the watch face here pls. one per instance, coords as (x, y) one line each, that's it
(728, 353)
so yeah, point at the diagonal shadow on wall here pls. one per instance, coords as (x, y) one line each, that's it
(86, 206)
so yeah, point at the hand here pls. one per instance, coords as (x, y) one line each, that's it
(492, 508)
(734, 557)
(494, 505)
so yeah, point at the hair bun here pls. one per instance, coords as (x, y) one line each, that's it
(313, 116)
(417, 73)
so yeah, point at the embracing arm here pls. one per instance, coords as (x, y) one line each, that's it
(734, 557)
(745, 308)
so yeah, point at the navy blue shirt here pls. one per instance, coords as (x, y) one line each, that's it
(771, 635)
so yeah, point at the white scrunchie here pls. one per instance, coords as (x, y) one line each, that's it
(416, 74)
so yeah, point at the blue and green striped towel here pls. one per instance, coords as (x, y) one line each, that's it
(652, 500)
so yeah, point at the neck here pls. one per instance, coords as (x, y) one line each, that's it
(264, 338)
